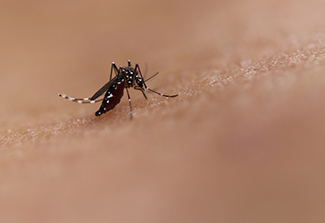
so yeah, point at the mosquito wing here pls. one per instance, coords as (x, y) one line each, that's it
(104, 88)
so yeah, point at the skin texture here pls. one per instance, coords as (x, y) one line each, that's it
(243, 141)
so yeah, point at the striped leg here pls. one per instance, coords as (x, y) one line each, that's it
(164, 95)
(131, 112)
(80, 100)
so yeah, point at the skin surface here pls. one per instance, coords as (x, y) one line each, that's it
(243, 142)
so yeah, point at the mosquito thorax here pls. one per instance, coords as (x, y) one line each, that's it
(130, 74)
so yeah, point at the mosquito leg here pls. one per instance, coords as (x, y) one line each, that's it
(140, 89)
(164, 95)
(116, 70)
(80, 100)
(138, 68)
(131, 112)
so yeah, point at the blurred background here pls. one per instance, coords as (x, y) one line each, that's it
(243, 141)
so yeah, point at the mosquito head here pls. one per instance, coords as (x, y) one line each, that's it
(129, 63)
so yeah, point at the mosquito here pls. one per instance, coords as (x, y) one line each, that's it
(125, 78)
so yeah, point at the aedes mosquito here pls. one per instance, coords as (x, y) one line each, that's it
(126, 77)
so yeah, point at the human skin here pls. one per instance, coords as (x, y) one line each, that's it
(243, 141)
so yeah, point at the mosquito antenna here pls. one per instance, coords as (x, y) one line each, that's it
(152, 76)
(145, 70)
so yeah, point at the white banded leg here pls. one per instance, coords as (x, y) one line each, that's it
(131, 112)
(164, 95)
(80, 100)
